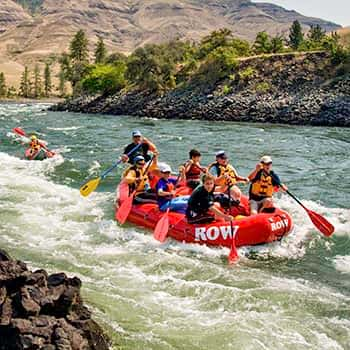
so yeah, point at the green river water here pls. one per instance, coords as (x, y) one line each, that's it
(289, 295)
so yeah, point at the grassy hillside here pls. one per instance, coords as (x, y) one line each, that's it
(345, 36)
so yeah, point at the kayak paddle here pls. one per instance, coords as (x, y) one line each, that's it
(124, 210)
(233, 256)
(91, 185)
(162, 228)
(321, 223)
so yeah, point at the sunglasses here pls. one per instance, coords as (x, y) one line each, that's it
(266, 163)
(140, 163)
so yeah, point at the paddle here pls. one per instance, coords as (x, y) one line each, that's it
(124, 210)
(233, 256)
(321, 223)
(162, 228)
(21, 132)
(91, 185)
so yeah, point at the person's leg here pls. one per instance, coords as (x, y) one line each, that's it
(236, 193)
(178, 204)
(266, 205)
(145, 197)
(254, 207)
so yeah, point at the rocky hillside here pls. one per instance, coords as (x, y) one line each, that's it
(297, 89)
(42, 28)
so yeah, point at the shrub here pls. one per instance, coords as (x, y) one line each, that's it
(105, 79)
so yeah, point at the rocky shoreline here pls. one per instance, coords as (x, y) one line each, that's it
(287, 89)
(41, 311)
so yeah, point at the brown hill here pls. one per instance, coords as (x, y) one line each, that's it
(126, 24)
(345, 35)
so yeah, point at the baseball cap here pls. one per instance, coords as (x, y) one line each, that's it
(266, 160)
(136, 133)
(221, 154)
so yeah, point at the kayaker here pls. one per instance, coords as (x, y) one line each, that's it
(226, 176)
(34, 144)
(146, 146)
(166, 192)
(263, 181)
(137, 179)
(202, 207)
(192, 169)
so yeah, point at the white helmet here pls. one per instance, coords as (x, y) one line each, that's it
(164, 168)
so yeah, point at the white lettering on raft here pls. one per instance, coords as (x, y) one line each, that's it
(214, 232)
(279, 224)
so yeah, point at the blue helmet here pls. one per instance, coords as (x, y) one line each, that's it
(138, 158)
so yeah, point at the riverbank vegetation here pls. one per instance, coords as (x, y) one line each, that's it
(163, 67)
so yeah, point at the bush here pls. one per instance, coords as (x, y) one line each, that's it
(262, 87)
(105, 79)
(246, 73)
(219, 64)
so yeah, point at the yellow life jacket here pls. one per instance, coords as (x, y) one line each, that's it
(225, 170)
(263, 187)
(139, 173)
(34, 145)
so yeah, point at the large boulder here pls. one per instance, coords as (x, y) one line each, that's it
(41, 311)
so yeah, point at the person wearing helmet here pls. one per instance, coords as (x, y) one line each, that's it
(34, 144)
(146, 146)
(165, 190)
(263, 181)
(136, 176)
(192, 169)
(226, 176)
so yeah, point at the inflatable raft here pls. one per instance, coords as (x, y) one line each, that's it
(247, 230)
(41, 154)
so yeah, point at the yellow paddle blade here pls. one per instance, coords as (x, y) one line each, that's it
(89, 187)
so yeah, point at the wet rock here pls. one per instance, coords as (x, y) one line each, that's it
(38, 311)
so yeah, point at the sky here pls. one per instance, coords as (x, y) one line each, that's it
(337, 11)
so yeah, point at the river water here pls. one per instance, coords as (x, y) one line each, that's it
(289, 295)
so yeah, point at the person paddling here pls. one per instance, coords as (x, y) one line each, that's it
(226, 176)
(202, 207)
(34, 144)
(165, 189)
(192, 169)
(263, 180)
(137, 179)
(146, 146)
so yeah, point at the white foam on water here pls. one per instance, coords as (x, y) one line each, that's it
(342, 263)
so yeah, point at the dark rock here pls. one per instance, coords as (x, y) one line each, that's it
(38, 311)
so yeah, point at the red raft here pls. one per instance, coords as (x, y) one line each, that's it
(247, 230)
(41, 154)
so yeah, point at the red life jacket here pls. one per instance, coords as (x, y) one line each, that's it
(193, 173)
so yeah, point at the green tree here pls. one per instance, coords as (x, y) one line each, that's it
(296, 35)
(47, 80)
(62, 90)
(37, 83)
(79, 47)
(11, 92)
(105, 79)
(100, 51)
(218, 38)
(116, 57)
(3, 88)
(26, 84)
(151, 69)
(75, 64)
(316, 34)
(277, 44)
(262, 43)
